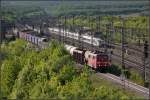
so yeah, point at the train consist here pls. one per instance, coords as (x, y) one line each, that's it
(96, 60)
(97, 42)
(74, 35)
(30, 36)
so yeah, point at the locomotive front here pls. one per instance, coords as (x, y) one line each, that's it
(97, 60)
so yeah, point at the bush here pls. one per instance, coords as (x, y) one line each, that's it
(136, 77)
(116, 70)
(9, 72)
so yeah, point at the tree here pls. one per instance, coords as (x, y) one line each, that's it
(9, 72)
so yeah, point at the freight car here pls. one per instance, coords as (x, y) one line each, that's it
(30, 36)
(96, 60)
(84, 37)
(97, 42)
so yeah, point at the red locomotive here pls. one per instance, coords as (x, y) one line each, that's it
(95, 60)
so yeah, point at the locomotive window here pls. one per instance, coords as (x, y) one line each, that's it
(45, 40)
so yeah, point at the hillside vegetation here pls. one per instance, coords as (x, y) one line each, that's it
(27, 73)
(135, 28)
(62, 7)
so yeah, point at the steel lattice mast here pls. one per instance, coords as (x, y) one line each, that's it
(149, 48)
(123, 50)
(73, 26)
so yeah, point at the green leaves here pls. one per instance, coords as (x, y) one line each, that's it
(136, 77)
(138, 24)
(49, 73)
(66, 74)
(108, 93)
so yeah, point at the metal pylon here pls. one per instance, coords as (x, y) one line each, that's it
(73, 22)
(123, 51)
(149, 51)
(59, 27)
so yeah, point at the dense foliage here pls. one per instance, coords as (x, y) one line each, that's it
(14, 9)
(11, 14)
(135, 28)
(27, 73)
(83, 7)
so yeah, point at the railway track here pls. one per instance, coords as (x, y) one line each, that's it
(126, 83)
(131, 58)
(131, 50)
(129, 46)
(128, 62)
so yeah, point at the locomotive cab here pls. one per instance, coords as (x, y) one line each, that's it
(103, 60)
(44, 40)
(97, 60)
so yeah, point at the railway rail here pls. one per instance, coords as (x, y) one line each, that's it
(132, 50)
(128, 84)
(128, 62)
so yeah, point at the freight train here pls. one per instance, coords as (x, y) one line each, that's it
(84, 37)
(31, 36)
(96, 60)
(97, 42)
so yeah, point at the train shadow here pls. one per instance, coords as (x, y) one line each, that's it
(113, 69)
